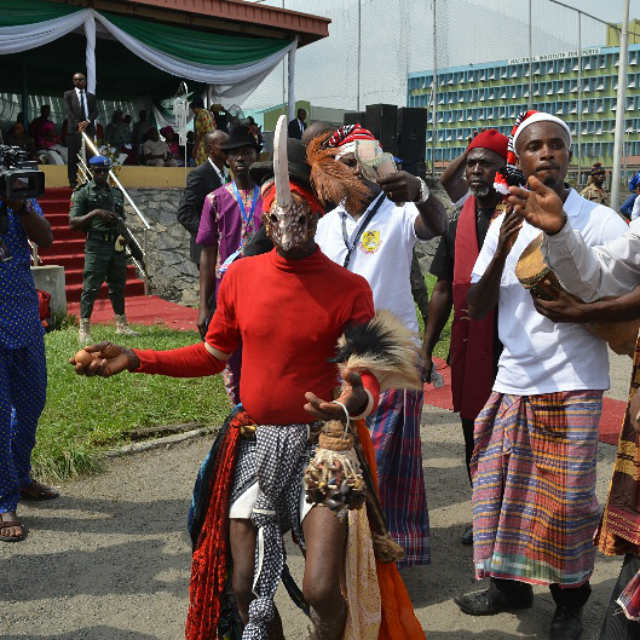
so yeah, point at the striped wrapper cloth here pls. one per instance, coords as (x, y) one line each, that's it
(395, 432)
(620, 527)
(629, 599)
(534, 473)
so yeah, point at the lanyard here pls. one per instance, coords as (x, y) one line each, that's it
(248, 220)
(350, 243)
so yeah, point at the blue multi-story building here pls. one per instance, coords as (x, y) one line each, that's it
(478, 96)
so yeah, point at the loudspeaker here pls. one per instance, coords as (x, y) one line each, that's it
(355, 117)
(382, 121)
(412, 139)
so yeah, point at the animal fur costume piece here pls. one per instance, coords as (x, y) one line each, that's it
(338, 474)
(384, 347)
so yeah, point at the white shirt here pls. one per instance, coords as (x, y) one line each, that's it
(383, 254)
(594, 272)
(541, 356)
(84, 105)
(635, 212)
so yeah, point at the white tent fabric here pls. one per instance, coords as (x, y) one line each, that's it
(232, 83)
(29, 36)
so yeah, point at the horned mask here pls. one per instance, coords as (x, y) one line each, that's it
(290, 220)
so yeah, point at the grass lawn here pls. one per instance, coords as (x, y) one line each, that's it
(86, 415)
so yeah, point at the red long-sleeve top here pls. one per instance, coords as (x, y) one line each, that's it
(289, 315)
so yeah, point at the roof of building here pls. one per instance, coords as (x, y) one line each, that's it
(239, 16)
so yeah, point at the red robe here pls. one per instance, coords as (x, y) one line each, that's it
(472, 341)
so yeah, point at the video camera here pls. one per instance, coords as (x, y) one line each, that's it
(19, 177)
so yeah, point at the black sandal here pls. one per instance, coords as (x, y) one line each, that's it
(38, 492)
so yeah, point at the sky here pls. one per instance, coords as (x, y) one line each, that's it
(397, 38)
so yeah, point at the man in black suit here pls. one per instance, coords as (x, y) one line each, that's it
(296, 127)
(203, 180)
(80, 109)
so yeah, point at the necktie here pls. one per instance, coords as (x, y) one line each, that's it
(83, 104)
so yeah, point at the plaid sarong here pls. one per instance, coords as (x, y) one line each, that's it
(534, 472)
(395, 432)
(620, 528)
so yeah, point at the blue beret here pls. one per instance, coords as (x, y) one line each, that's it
(100, 161)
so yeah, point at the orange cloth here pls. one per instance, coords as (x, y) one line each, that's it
(399, 621)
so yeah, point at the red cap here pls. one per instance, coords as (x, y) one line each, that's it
(490, 139)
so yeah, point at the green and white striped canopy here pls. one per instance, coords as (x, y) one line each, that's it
(237, 64)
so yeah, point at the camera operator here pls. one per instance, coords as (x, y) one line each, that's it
(23, 375)
(98, 209)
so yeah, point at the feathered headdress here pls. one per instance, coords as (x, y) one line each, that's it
(333, 181)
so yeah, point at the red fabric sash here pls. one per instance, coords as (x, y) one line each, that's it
(472, 341)
(209, 560)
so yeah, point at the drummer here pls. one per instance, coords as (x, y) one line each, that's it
(534, 460)
(475, 347)
(611, 272)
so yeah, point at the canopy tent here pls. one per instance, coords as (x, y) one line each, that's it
(133, 53)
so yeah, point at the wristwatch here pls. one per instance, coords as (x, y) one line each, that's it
(423, 196)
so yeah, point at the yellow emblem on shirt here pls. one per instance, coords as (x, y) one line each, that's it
(370, 241)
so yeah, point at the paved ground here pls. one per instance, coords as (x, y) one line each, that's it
(110, 559)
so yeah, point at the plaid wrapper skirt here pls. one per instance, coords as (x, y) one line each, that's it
(395, 432)
(534, 472)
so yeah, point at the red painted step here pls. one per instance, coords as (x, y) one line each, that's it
(68, 261)
(134, 287)
(68, 247)
(74, 275)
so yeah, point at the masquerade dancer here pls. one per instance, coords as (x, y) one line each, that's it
(289, 307)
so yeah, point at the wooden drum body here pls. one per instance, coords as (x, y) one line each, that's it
(536, 276)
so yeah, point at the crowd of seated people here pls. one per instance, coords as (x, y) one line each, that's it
(139, 142)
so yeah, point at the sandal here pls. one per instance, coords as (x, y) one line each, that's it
(37, 492)
(7, 524)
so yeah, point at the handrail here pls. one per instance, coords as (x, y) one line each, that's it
(117, 182)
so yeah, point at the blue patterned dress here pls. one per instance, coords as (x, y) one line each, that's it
(23, 374)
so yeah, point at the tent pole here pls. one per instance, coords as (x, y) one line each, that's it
(90, 52)
(25, 96)
(291, 82)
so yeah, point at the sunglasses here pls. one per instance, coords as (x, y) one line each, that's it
(100, 170)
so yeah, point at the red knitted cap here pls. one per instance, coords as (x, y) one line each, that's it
(490, 139)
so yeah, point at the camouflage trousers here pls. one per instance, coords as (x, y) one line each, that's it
(102, 262)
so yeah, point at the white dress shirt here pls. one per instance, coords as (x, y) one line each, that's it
(84, 105)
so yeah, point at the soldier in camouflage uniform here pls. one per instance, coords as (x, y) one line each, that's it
(594, 190)
(98, 209)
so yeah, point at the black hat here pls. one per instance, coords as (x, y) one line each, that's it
(299, 170)
(240, 136)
